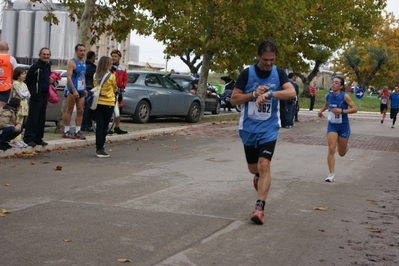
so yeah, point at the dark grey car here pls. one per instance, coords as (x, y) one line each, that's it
(152, 94)
(189, 83)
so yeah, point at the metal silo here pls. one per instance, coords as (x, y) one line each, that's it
(26, 22)
(42, 32)
(57, 37)
(71, 39)
(9, 34)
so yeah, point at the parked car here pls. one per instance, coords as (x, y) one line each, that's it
(26, 67)
(62, 83)
(189, 83)
(152, 94)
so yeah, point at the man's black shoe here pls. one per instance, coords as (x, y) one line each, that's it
(5, 146)
(87, 129)
(117, 130)
(43, 143)
(31, 144)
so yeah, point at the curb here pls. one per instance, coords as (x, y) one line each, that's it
(90, 140)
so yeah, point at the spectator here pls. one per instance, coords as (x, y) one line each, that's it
(90, 70)
(75, 92)
(8, 64)
(106, 102)
(38, 82)
(312, 91)
(290, 105)
(9, 127)
(20, 91)
(121, 81)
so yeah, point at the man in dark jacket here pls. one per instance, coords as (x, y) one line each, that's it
(38, 82)
(90, 70)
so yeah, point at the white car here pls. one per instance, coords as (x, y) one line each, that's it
(62, 83)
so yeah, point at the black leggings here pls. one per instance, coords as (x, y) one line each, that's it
(394, 112)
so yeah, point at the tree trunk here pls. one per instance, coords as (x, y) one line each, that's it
(203, 78)
(84, 22)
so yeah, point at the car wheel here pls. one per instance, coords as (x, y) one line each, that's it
(142, 113)
(194, 113)
(238, 108)
(217, 109)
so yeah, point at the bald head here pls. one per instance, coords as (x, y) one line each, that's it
(3, 47)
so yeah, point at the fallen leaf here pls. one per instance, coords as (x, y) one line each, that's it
(138, 149)
(6, 185)
(67, 240)
(58, 168)
(320, 208)
(4, 211)
(375, 230)
(32, 163)
(124, 260)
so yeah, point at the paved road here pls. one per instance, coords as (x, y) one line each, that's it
(185, 199)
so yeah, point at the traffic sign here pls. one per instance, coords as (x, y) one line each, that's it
(359, 93)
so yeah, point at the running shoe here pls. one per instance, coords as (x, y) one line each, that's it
(101, 154)
(79, 135)
(68, 135)
(16, 144)
(330, 178)
(255, 181)
(22, 143)
(257, 215)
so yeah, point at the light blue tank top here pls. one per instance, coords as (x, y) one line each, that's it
(337, 101)
(266, 118)
(78, 76)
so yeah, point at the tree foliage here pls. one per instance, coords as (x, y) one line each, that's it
(226, 33)
(372, 60)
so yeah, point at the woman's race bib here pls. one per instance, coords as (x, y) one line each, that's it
(262, 113)
(384, 101)
(333, 118)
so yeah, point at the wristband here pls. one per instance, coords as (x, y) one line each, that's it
(270, 94)
(253, 95)
(342, 111)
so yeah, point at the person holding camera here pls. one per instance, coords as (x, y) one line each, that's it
(121, 82)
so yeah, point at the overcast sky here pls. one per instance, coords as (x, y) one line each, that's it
(152, 51)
